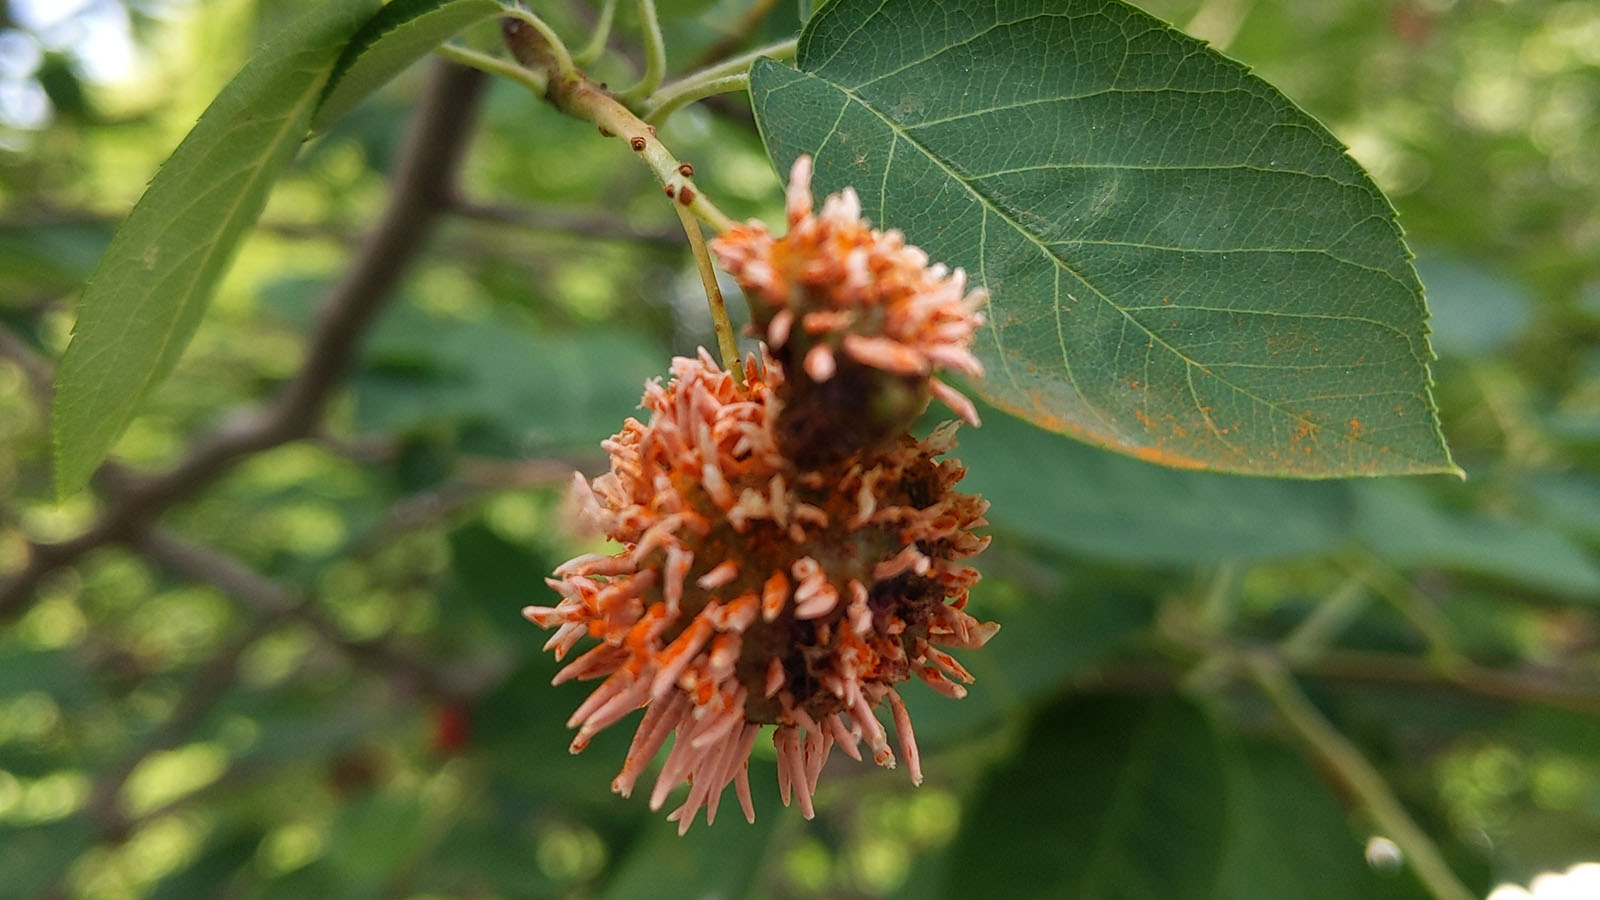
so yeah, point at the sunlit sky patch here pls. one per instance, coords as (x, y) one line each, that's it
(95, 32)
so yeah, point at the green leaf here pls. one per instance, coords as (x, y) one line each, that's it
(36, 855)
(374, 834)
(402, 33)
(47, 257)
(1401, 525)
(1048, 636)
(1477, 311)
(151, 287)
(723, 860)
(1568, 499)
(1110, 797)
(1289, 838)
(1183, 266)
(520, 391)
(1065, 494)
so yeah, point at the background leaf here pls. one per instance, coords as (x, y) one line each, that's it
(1064, 494)
(1108, 798)
(1400, 525)
(1183, 265)
(1289, 838)
(1476, 310)
(516, 391)
(145, 298)
(402, 33)
(723, 860)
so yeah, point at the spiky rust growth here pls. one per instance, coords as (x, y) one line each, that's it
(857, 318)
(750, 591)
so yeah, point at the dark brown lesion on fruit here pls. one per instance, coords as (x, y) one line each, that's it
(859, 408)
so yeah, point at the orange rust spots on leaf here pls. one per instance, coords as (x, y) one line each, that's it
(1165, 458)
(1356, 427)
(1041, 416)
(1144, 419)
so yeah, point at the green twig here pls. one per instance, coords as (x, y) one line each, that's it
(655, 54)
(739, 34)
(727, 346)
(597, 41)
(724, 77)
(1221, 602)
(472, 59)
(575, 94)
(1419, 611)
(1218, 607)
(1358, 776)
(668, 105)
(1325, 623)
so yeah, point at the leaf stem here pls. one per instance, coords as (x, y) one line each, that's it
(1414, 605)
(669, 104)
(483, 62)
(1221, 601)
(727, 344)
(748, 24)
(731, 74)
(655, 54)
(1325, 623)
(597, 41)
(1358, 776)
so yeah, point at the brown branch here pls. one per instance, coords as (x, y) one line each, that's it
(738, 36)
(268, 599)
(33, 367)
(423, 183)
(1512, 686)
(477, 479)
(1355, 667)
(210, 683)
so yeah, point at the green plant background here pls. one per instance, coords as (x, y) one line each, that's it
(1077, 768)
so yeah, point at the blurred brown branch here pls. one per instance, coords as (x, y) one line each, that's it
(270, 604)
(1352, 667)
(477, 479)
(735, 38)
(210, 682)
(1531, 686)
(271, 601)
(28, 360)
(423, 184)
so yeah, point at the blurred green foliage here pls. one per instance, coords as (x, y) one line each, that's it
(414, 748)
